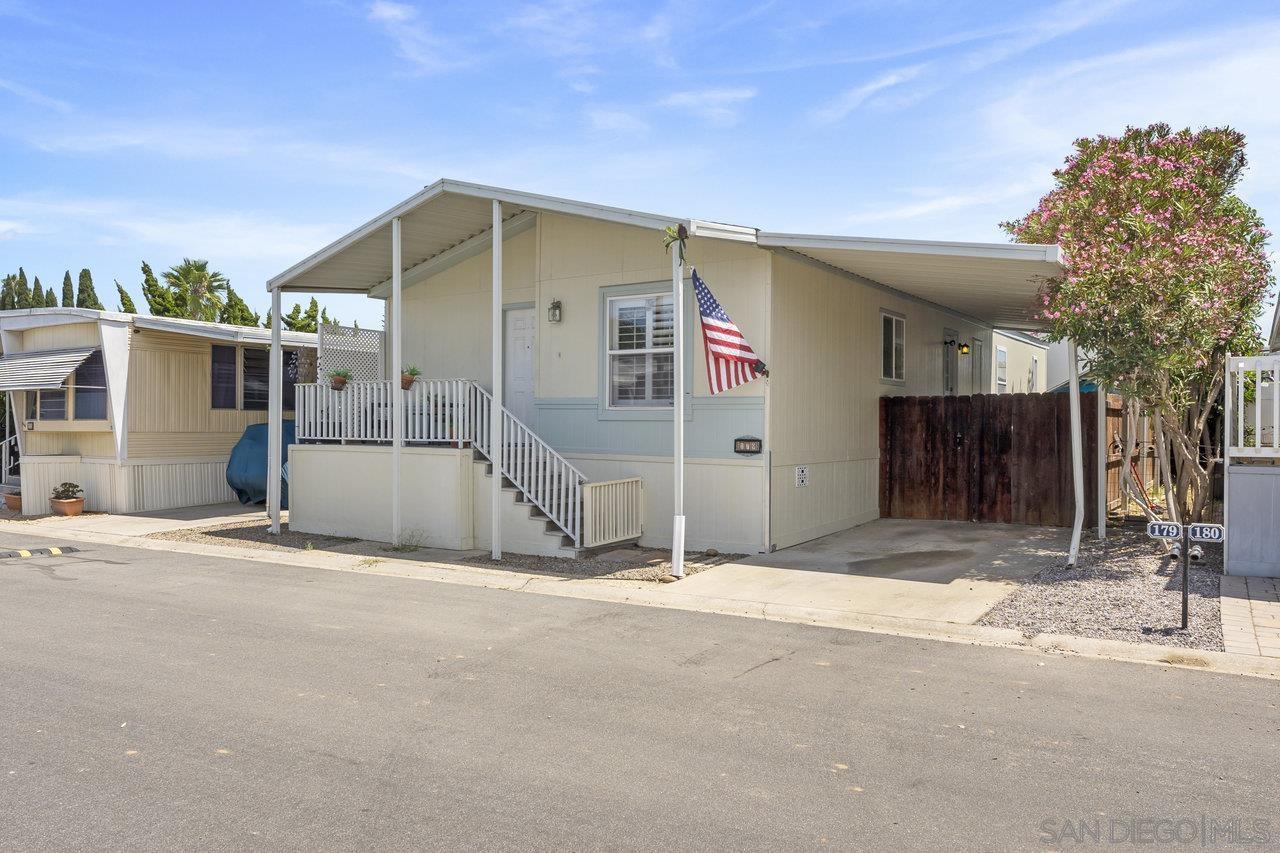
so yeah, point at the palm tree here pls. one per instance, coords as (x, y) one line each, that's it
(198, 289)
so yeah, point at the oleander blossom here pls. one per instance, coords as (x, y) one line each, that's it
(1166, 269)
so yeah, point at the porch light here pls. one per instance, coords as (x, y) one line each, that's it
(554, 311)
(964, 349)
(961, 347)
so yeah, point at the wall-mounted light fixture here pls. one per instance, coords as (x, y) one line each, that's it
(961, 347)
(554, 312)
(964, 349)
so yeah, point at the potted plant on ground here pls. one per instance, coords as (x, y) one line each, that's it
(13, 501)
(339, 378)
(408, 376)
(66, 499)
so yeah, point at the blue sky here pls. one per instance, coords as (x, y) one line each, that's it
(254, 133)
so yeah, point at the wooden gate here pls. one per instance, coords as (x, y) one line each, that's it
(1002, 458)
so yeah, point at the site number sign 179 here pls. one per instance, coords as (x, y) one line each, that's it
(1206, 532)
(1164, 530)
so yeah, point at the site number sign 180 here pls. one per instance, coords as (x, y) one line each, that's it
(1164, 530)
(1206, 532)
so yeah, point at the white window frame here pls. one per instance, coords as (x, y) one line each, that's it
(1002, 370)
(610, 352)
(1035, 371)
(899, 327)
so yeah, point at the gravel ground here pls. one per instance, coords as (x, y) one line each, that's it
(253, 534)
(634, 564)
(620, 564)
(1121, 589)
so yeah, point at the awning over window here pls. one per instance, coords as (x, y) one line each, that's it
(34, 371)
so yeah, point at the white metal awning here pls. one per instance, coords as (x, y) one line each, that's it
(442, 216)
(995, 283)
(34, 371)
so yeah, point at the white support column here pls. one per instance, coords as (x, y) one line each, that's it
(1077, 451)
(495, 415)
(1104, 448)
(677, 439)
(275, 416)
(397, 364)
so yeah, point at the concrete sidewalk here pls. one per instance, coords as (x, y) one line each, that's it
(1251, 615)
(141, 523)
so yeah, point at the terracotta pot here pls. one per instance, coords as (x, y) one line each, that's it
(13, 501)
(70, 506)
(337, 383)
(406, 381)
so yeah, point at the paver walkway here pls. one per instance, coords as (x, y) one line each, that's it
(1251, 615)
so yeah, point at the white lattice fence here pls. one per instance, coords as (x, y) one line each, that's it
(359, 351)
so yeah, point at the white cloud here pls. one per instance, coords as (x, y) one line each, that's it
(612, 120)
(414, 41)
(840, 108)
(31, 96)
(717, 106)
(558, 27)
(12, 228)
(936, 203)
(232, 237)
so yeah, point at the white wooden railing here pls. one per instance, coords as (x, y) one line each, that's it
(9, 459)
(458, 411)
(1252, 422)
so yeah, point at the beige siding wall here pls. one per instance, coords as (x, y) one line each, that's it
(61, 337)
(53, 438)
(1028, 365)
(825, 387)
(169, 410)
(447, 317)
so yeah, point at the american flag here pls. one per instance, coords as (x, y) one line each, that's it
(730, 360)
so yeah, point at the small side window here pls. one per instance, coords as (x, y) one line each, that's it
(223, 377)
(893, 347)
(1002, 370)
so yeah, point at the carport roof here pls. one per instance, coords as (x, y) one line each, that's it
(994, 283)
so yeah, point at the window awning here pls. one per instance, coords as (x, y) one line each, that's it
(35, 371)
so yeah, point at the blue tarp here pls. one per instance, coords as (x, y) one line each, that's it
(247, 468)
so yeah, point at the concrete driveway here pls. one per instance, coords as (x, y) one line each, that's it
(937, 570)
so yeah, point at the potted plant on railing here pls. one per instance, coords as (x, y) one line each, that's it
(66, 499)
(339, 378)
(408, 376)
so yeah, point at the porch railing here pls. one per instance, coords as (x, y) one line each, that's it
(1253, 383)
(457, 411)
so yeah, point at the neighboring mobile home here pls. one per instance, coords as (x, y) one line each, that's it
(582, 312)
(1020, 363)
(140, 411)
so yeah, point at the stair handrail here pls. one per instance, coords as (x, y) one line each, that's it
(562, 506)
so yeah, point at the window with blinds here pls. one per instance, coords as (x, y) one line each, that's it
(641, 352)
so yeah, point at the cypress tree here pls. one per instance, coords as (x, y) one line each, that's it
(68, 292)
(86, 297)
(50, 299)
(295, 320)
(235, 311)
(266, 321)
(126, 301)
(161, 300)
(21, 290)
(7, 300)
(37, 293)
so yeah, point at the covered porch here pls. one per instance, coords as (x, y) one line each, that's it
(445, 225)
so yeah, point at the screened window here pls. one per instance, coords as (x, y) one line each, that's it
(641, 351)
(1031, 378)
(53, 404)
(223, 377)
(256, 375)
(91, 389)
(893, 347)
(1002, 370)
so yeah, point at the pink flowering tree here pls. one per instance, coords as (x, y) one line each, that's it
(1166, 271)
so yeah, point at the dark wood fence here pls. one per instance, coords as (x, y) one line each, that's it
(987, 457)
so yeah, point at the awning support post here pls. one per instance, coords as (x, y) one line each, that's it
(495, 414)
(677, 443)
(275, 417)
(1077, 451)
(397, 364)
(1104, 451)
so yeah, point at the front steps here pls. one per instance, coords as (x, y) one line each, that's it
(526, 529)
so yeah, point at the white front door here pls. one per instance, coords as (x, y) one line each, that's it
(517, 377)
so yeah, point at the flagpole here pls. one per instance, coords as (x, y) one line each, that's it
(677, 475)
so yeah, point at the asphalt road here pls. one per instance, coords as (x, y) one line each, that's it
(157, 701)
